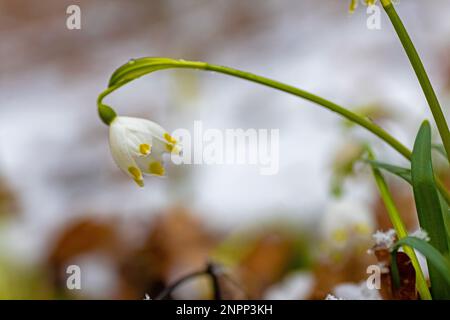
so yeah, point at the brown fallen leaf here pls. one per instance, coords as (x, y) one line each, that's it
(407, 289)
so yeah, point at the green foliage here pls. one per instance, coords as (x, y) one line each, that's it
(428, 205)
(400, 228)
(401, 172)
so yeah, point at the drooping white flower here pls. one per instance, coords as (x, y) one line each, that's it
(137, 146)
(354, 4)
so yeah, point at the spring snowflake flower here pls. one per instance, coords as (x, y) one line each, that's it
(137, 146)
(354, 4)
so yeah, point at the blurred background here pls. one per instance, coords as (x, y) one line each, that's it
(299, 234)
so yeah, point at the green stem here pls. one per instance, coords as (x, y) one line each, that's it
(400, 229)
(421, 74)
(364, 122)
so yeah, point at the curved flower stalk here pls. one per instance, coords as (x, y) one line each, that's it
(139, 67)
(136, 68)
(137, 146)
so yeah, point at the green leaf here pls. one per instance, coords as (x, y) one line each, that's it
(428, 205)
(434, 258)
(401, 172)
(400, 229)
(405, 174)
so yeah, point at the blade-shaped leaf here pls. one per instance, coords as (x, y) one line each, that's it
(428, 205)
(399, 226)
(401, 172)
(405, 174)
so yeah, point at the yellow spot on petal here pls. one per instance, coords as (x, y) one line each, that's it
(156, 168)
(135, 172)
(145, 149)
(169, 138)
(137, 175)
(353, 5)
(173, 148)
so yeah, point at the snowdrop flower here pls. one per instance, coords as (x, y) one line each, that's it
(137, 146)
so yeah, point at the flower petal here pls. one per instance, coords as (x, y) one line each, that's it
(121, 153)
(151, 166)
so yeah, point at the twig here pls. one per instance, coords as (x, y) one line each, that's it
(210, 270)
(168, 291)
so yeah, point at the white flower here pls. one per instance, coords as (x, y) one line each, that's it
(354, 4)
(137, 146)
(346, 220)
